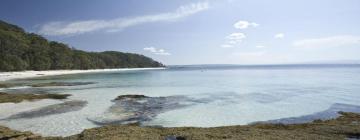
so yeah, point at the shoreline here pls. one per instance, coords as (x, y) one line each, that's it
(345, 126)
(5, 76)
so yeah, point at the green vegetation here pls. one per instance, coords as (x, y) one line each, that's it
(28, 51)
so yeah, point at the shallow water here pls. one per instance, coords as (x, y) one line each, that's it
(219, 95)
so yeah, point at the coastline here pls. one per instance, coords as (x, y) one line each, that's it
(342, 127)
(5, 76)
(345, 126)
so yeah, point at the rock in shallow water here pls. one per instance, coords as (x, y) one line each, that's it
(19, 97)
(175, 138)
(122, 97)
(67, 106)
(327, 114)
(139, 108)
(61, 84)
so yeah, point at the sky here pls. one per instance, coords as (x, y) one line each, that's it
(180, 32)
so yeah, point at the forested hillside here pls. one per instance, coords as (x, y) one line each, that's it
(20, 50)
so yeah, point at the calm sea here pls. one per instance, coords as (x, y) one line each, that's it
(221, 94)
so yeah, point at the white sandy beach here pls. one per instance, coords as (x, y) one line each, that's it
(4, 76)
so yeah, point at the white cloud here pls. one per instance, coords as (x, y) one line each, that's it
(150, 49)
(333, 41)
(242, 24)
(257, 57)
(248, 54)
(233, 39)
(259, 46)
(226, 46)
(157, 51)
(279, 35)
(80, 27)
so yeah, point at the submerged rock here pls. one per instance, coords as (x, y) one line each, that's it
(139, 108)
(327, 114)
(16, 98)
(67, 106)
(175, 138)
(10, 85)
(122, 97)
(61, 84)
(4, 85)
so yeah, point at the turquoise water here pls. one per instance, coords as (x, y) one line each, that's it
(231, 95)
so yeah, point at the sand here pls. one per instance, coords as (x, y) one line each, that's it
(4, 76)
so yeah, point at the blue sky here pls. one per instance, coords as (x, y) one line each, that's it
(199, 32)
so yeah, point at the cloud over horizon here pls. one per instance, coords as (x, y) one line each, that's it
(156, 51)
(259, 46)
(79, 27)
(242, 24)
(233, 39)
(279, 36)
(332, 41)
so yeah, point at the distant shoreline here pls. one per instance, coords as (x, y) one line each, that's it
(5, 76)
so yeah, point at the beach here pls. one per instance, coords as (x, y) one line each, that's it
(4, 76)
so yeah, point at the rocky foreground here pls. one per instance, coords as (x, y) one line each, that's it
(347, 126)
(140, 107)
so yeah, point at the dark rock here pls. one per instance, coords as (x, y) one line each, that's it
(9, 85)
(175, 138)
(4, 86)
(61, 84)
(334, 111)
(16, 98)
(67, 106)
(8, 134)
(140, 108)
(121, 97)
(353, 136)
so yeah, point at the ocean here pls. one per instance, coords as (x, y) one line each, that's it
(193, 95)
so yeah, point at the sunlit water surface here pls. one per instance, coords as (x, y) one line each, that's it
(236, 95)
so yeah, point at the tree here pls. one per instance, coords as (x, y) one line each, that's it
(28, 51)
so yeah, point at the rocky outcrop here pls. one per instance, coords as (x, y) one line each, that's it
(8, 134)
(67, 106)
(16, 98)
(122, 97)
(346, 126)
(51, 84)
(139, 108)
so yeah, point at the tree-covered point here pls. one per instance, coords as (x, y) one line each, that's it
(20, 50)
